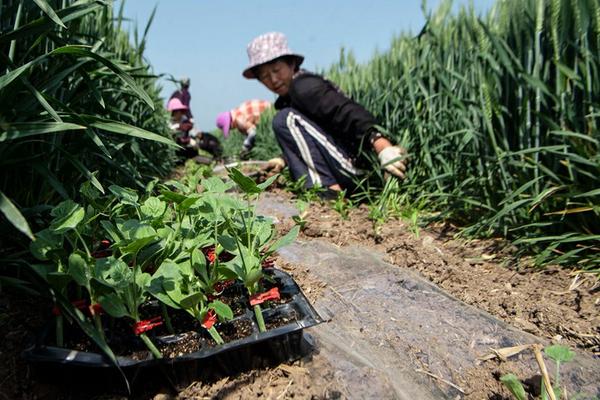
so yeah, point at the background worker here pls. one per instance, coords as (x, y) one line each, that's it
(187, 137)
(321, 131)
(183, 94)
(244, 118)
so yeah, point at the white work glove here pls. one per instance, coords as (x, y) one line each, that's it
(276, 164)
(393, 159)
(249, 141)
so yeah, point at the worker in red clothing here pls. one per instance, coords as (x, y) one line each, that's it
(244, 118)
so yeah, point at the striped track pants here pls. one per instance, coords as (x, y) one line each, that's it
(310, 152)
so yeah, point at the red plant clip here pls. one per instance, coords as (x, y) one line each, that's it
(209, 319)
(260, 298)
(95, 309)
(103, 249)
(210, 253)
(146, 325)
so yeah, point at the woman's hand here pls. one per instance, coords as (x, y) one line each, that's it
(392, 158)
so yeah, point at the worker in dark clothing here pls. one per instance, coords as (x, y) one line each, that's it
(320, 130)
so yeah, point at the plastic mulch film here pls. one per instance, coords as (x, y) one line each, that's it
(387, 328)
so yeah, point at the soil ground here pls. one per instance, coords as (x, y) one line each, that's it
(560, 305)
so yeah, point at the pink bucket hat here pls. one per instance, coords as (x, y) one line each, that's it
(266, 48)
(224, 122)
(175, 104)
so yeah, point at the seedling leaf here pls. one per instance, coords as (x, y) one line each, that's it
(513, 384)
(79, 270)
(263, 186)
(285, 240)
(113, 305)
(245, 183)
(45, 242)
(221, 309)
(67, 215)
(191, 301)
(125, 195)
(228, 243)
(559, 353)
(153, 207)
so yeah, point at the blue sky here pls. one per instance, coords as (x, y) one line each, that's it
(206, 40)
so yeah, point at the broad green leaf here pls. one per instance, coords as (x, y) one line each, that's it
(114, 272)
(153, 207)
(215, 185)
(191, 300)
(79, 270)
(285, 240)
(58, 280)
(113, 305)
(111, 230)
(198, 261)
(68, 215)
(142, 280)
(136, 245)
(172, 196)
(268, 182)
(134, 229)
(559, 353)
(125, 195)
(513, 384)
(189, 202)
(89, 191)
(221, 309)
(246, 184)
(262, 230)
(252, 277)
(25, 129)
(228, 243)
(14, 216)
(45, 242)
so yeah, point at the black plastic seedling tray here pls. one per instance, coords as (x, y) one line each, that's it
(93, 371)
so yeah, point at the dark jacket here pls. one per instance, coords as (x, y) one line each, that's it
(335, 113)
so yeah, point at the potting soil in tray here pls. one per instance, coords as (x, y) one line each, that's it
(190, 353)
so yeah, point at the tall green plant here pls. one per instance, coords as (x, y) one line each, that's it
(78, 103)
(500, 115)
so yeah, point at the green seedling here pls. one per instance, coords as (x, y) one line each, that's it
(248, 236)
(300, 218)
(342, 205)
(182, 286)
(559, 354)
(129, 291)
